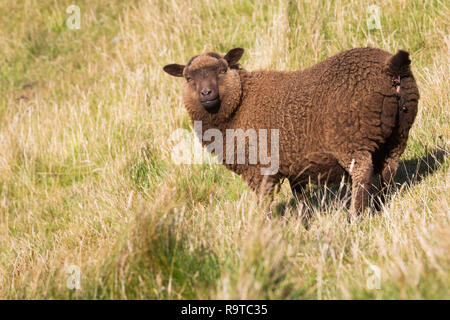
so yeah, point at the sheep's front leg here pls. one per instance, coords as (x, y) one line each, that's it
(297, 189)
(301, 207)
(265, 188)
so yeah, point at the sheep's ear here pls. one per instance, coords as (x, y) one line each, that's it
(233, 56)
(175, 70)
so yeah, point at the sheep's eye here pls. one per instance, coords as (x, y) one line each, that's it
(188, 79)
(223, 71)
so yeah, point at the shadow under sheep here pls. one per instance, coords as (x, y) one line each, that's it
(409, 173)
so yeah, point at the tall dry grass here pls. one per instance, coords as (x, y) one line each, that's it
(86, 176)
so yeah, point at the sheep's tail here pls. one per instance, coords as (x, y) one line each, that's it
(398, 67)
(398, 64)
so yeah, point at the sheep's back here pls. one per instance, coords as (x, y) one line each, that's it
(341, 105)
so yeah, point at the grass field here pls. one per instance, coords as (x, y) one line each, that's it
(86, 176)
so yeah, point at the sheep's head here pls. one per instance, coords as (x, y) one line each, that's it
(212, 81)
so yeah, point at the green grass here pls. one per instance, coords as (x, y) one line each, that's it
(86, 176)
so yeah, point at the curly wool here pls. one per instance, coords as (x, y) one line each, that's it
(338, 117)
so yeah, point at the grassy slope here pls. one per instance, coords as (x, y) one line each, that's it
(86, 176)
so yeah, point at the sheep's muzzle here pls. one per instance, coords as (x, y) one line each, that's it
(211, 105)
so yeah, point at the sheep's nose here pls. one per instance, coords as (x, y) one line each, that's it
(205, 92)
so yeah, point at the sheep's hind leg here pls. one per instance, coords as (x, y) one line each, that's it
(386, 181)
(387, 167)
(360, 169)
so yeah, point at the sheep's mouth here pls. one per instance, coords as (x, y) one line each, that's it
(211, 104)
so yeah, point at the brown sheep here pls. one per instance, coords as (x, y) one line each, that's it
(348, 115)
